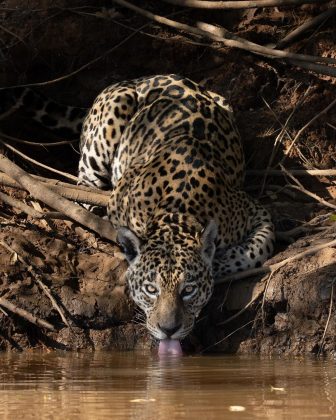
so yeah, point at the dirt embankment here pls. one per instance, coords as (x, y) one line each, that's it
(291, 311)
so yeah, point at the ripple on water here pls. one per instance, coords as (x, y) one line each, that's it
(141, 386)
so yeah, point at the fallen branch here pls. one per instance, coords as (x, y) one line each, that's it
(25, 314)
(239, 4)
(43, 193)
(13, 202)
(301, 188)
(270, 268)
(48, 293)
(30, 211)
(220, 34)
(52, 181)
(289, 38)
(230, 40)
(78, 193)
(302, 129)
(37, 163)
(316, 68)
(290, 236)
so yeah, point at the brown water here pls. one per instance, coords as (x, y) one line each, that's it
(141, 386)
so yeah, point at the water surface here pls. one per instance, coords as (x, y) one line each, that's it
(139, 386)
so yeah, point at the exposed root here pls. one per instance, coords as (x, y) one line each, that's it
(38, 280)
(25, 314)
(328, 320)
(41, 192)
(270, 268)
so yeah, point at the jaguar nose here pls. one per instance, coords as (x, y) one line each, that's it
(169, 331)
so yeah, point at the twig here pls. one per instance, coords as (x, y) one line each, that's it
(298, 172)
(228, 336)
(36, 276)
(301, 188)
(279, 137)
(77, 193)
(41, 192)
(13, 202)
(316, 68)
(46, 290)
(30, 211)
(25, 314)
(289, 236)
(298, 134)
(270, 268)
(236, 315)
(264, 296)
(12, 34)
(35, 162)
(289, 38)
(56, 182)
(239, 4)
(38, 144)
(311, 225)
(328, 320)
(314, 196)
(90, 63)
(220, 34)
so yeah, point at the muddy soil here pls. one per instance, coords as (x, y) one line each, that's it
(46, 40)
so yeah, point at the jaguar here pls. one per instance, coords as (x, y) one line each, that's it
(171, 155)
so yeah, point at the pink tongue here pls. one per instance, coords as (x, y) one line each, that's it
(170, 347)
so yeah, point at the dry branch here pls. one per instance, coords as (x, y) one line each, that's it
(39, 143)
(239, 4)
(270, 268)
(13, 202)
(329, 317)
(30, 211)
(302, 129)
(25, 314)
(37, 278)
(41, 192)
(293, 35)
(301, 188)
(48, 293)
(316, 68)
(220, 34)
(37, 163)
(230, 40)
(78, 193)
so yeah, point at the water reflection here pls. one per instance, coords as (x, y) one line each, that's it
(142, 386)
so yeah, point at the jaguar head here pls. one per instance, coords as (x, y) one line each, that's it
(170, 277)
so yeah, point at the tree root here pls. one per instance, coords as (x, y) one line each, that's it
(45, 194)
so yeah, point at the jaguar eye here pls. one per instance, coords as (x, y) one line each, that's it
(188, 291)
(151, 290)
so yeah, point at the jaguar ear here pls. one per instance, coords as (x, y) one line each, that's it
(129, 243)
(208, 238)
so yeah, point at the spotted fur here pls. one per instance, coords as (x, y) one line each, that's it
(64, 120)
(171, 155)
